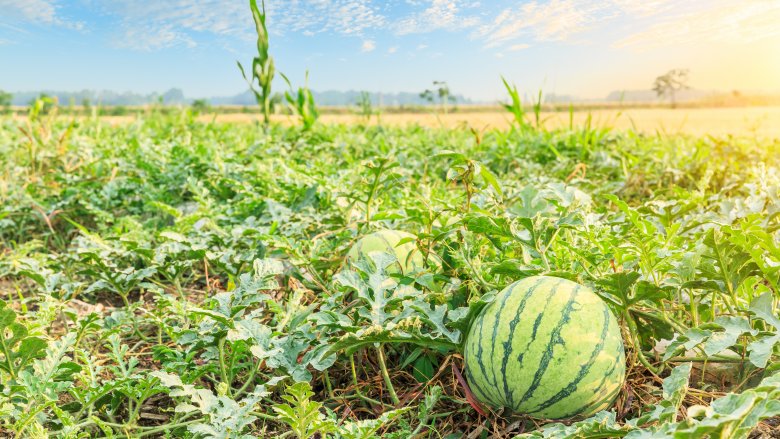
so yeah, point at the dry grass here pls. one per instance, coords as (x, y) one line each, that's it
(738, 121)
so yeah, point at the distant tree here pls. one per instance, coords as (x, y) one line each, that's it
(5, 101)
(673, 81)
(118, 110)
(365, 106)
(440, 93)
(276, 102)
(200, 106)
(86, 104)
(173, 96)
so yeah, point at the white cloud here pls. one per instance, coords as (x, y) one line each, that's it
(440, 14)
(153, 38)
(392, 50)
(555, 20)
(661, 22)
(561, 20)
(644, 7)
(154, 24)
(517, 47)
(35, 11)
(42, 12)
(721, 21)
(368, 46)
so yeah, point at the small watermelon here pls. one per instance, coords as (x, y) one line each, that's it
(548, 348)
(409, 257)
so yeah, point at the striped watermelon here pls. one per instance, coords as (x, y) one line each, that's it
(409, 257)
(546, 347)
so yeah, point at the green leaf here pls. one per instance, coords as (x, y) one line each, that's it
(762, 349)
(423, 369)
(732, 329)
(763, 308)
(17, 348)
(676, 384)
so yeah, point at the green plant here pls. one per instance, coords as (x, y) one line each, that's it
(42, 105)
(303, 415)
(516, 106)
(17, 347)
(263, 69)
(302, 103)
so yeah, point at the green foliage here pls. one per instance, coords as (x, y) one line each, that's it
(172, 277)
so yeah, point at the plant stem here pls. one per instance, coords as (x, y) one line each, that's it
(265, 416)
(166, 427)
(222, 368)
(386, 376)
(705, 360)
(633, 331)
(248, 380)
(326, 378)
(357, 386)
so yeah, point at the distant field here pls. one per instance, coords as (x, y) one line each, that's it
(760, 121)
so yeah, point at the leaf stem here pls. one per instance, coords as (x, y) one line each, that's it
(386, 376)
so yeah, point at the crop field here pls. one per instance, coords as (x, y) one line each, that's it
(170, 277)
(734, 121)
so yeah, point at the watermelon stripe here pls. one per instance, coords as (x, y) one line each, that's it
(584, 369)
(600, 402)
(495, 333)
(602, 391)
(483, 370)
(534, 330)
(476, 389)
(555, 339)
(496, 396)
(508, 343)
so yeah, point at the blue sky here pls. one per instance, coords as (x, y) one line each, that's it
(582, 47)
